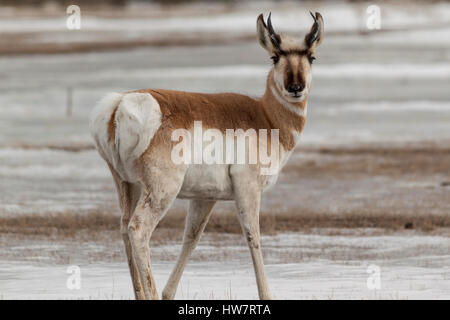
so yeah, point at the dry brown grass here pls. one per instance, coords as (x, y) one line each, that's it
(67, 224)
(92, 224)
(72, 147)
(19, 43)
(273, 223)
(361, 162)
(375, 160)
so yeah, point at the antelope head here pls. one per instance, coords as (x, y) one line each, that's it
(292, 57)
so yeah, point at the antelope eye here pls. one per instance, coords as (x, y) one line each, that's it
(275, 59)
(311, 59)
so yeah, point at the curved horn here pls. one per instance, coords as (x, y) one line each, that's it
(275, 38)
(269, 24)
(316, 29)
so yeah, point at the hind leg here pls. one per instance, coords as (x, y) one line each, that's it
(128, 195)
(157, 195)
(134, 192)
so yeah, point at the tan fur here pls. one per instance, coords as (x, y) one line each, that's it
(225, 111)
(152, 181)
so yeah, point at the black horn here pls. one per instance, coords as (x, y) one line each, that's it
(313, 34)
(275, 38)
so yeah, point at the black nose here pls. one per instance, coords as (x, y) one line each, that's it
(295, 87)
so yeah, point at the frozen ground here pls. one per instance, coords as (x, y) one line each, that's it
(235, 17)
(393, 95)
(362, 91)
(299, 266)
(139, 24)
(371, 92)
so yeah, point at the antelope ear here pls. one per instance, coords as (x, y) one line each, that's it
(267, 37)
(315, 36)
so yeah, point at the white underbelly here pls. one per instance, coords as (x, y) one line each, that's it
(207, 182)
(203, 181)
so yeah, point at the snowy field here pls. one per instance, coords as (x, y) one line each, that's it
(386, 90)
(206, 22)
(299, 266)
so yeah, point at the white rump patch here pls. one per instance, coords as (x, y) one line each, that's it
(137, 119)
(98, 124)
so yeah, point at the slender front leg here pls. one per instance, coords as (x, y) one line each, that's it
(198, 215)
(248, 196)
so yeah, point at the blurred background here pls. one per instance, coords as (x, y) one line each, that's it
(370, 180)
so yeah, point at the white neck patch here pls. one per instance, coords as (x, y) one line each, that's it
(297, 110)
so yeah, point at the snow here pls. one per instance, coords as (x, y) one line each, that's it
(345, 70)
(418, 274)
(240, 18)
(385, 87)
(440, 107)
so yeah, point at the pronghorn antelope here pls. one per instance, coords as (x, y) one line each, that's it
(133, 134)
